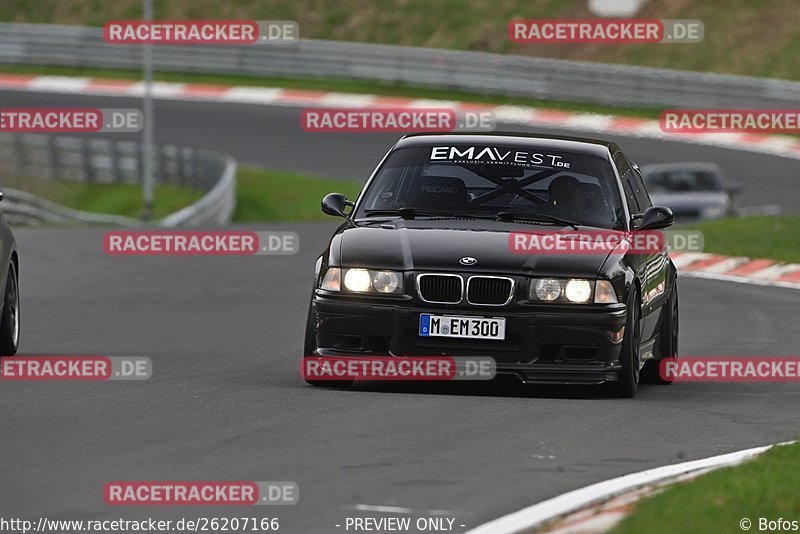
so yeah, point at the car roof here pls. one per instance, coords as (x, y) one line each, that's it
(584, 145)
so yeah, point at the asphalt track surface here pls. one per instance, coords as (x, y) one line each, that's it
(226, 401)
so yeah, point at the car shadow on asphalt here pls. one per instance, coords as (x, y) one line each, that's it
(494, 388)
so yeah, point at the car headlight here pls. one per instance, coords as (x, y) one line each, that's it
(574, 290)
(579, 291)
(548, 289)
(357, 280)
(363, 281)
(386, 281)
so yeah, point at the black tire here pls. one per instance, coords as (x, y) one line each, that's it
(309, 347)
(9, 323)
(667, 340)
(628, 380)
(310, 343)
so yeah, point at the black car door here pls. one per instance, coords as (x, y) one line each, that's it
(657, 264)
(647, 264)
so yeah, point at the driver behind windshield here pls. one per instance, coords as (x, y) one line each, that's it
(565, 192)
(581, 202)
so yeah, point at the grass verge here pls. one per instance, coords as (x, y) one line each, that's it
(113, 199)
(763, 488)
(262, 195)
(266, 195)
(756, 237)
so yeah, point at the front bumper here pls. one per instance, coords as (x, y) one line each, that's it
(545, 343)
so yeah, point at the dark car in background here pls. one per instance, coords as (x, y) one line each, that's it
(692, 190)
(429, 239)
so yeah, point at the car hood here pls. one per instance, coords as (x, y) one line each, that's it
(428, 245)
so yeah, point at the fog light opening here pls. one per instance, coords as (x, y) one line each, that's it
(617, 336)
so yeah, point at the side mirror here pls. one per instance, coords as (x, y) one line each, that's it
(335, 204)
(656, 218)
(2, 195)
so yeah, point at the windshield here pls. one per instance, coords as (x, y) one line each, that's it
(682, 182)
(524, 182)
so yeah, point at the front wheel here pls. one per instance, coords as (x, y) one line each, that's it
(9, 323)
(628, 380)
(667, 340)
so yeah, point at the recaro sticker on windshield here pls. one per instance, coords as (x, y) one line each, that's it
(498, 156)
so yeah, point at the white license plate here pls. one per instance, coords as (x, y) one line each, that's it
(464, 327)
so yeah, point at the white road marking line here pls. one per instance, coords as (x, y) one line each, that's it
(529, 518)
(379, 508)
(382, 509)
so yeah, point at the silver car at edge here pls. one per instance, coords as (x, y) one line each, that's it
(692, 190)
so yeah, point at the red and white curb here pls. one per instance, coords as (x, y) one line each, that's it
(737, 269)
(602, 517)
(580, 510)
(777, 145)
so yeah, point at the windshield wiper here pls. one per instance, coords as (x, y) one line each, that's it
(538, 217)
(411, 213)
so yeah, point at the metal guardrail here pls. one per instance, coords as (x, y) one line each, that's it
(42, 160)
(216, 207)
(23, 208)
(502, 74)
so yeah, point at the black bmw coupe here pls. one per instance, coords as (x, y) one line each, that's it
(476, 245)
